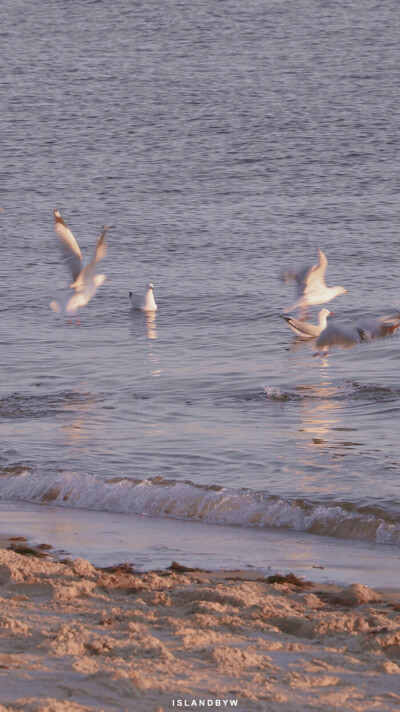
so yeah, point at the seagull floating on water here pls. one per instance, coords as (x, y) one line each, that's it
(85, 280)
(311, 287)
(145, 303)
(305, 330)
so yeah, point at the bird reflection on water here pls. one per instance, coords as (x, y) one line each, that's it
(150, 318)
(322, 414)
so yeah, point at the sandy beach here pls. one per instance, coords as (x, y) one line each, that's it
(76, 637)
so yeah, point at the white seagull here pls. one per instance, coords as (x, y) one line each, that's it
(145, 303)
(85, 281)
(305, 330)
(311, 287)
(346, 336)
(335, 334)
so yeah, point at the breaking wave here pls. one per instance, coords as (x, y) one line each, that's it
(211, 504)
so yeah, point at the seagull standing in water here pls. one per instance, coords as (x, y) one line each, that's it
(85, 281)
(146, 302)
(305, 330)
(311, 286)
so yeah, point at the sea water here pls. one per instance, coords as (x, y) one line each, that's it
(223, 143)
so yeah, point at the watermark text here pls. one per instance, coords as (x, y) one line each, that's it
(204, 702)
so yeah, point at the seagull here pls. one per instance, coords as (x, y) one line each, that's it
(311, 287)
(346, 336)
(380, 327)
(342, 335)
(147, 302)
(85, 281)
(305, 330)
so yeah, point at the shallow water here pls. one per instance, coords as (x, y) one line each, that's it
(223, 144)
(105, 538)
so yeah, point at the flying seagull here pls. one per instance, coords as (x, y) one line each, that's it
(311, 286)
(85, 281)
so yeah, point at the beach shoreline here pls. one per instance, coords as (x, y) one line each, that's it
(82, 638)
(107, 538)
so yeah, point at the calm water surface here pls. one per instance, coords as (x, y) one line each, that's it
(223, 143)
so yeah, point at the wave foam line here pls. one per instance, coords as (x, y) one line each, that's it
(185, 500)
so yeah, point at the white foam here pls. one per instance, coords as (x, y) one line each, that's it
(185, 500)
(273, 392)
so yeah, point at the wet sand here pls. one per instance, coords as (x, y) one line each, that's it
(76, 638)
(106, 538)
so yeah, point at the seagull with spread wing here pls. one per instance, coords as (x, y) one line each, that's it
(85, 281)
(337, 334)
(311, 286)
(347, 335)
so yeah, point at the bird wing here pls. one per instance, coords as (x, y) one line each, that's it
(302, 328)
(85, 287)
(298, 275)
(85, 278)
(101, 246)
(135, 300)
(380, 327)
(339, 335)
(390, 324)
(315, 277)
(70, 249)
(302, 279)
(308, 279)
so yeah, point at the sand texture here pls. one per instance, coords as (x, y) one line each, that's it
(77, 638)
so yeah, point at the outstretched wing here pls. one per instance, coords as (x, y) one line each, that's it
(87, 276)
(340, 335)
(379, 328)
(69, 246)
(306, 277)
(101, 246)
(315, 278)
